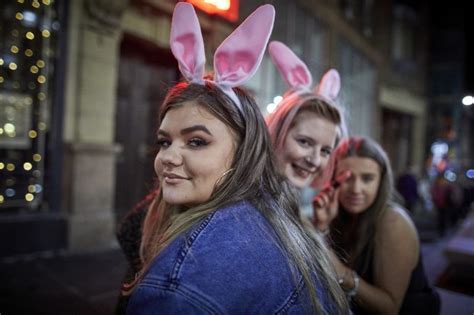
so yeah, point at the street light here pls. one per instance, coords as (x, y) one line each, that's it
(468, 100)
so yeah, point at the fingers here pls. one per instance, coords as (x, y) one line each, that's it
(321, 211)
(320, 218)
(334, 205)
(324, 197)
(341, 178)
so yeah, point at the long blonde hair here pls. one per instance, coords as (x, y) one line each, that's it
(263, 187)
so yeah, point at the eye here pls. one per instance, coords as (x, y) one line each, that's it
(368, 178)
(326, 152)
(197, 142)
(303, 142)
(163, 143)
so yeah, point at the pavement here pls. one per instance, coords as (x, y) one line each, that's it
(64, 283)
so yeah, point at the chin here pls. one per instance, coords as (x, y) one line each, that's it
(173, 198)
(354, 210)
(297, 182)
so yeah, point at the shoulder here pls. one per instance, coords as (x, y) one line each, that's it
(396, 231)
(396, 219)
(235, 236)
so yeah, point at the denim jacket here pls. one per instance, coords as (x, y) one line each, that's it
(230, 263)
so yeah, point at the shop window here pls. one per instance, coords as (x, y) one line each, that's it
(28, 32)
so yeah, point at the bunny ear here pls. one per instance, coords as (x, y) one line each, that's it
(238, 57)
(330, 84)
(186, 42)
(293, 70)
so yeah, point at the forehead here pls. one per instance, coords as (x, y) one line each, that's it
(360, 165)
(311, 124)
(187, 114)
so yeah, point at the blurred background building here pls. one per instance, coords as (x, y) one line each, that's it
(81, 82)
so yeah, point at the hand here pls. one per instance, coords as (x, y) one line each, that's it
(325, 204)
(325, 207)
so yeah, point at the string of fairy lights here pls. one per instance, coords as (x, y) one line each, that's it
(27, 29)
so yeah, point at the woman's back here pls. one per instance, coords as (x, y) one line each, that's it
(229, 263)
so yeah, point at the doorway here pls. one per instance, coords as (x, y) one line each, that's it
(145, 74)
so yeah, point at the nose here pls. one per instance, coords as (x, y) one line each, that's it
(356, 186)
(314, 159)
(170, 156)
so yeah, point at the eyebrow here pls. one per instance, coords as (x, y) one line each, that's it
(195, 128)
(187, 130)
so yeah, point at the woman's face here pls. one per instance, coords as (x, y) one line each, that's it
(307, 148)
(359, 191)
(196, 149)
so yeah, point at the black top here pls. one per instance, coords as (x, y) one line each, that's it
(420, 297)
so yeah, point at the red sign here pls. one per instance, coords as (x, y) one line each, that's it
(228, 9)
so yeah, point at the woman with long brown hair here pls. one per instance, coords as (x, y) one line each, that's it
(376, 250)
(222, 235)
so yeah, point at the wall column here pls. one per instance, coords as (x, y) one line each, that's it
(89, 183)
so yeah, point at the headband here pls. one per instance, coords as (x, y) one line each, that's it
(236, 59)
(297, 76)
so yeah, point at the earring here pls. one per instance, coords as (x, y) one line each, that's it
(219, 180)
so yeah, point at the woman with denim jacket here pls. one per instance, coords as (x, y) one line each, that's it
(223, 235)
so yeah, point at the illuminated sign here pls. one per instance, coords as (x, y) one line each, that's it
(228, 9)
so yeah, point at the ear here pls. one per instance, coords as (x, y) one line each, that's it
(238, 57)
(330, 84)
(293, 70)
(186, 42)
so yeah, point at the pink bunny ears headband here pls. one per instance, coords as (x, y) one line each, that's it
(235, 61)
(297, 76)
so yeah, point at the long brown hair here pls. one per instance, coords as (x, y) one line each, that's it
(355, 240)
(282, 120)
(263, 187)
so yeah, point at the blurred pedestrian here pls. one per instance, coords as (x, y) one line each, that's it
(376, 250)
(440, 193)
(215, 229)
(407, 186)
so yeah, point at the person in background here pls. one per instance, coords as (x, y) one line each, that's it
(306, 125)
(407, 186)
(375, 246)
(441, 190)
(218, 238)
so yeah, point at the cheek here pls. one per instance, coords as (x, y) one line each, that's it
(158, 166)
(324, 161)
(343, 191)
(292, 151)
(373, 190)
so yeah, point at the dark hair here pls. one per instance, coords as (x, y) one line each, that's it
(267, 190)
(361, 241)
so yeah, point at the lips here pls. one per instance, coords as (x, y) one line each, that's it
(302, 171)
(173, 179)
(354, 200)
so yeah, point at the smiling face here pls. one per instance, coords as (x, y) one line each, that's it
(359, 192)
(307, 148)
(196, 149)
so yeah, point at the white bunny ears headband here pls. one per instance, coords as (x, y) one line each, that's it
(297, 76)
(235, 61)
